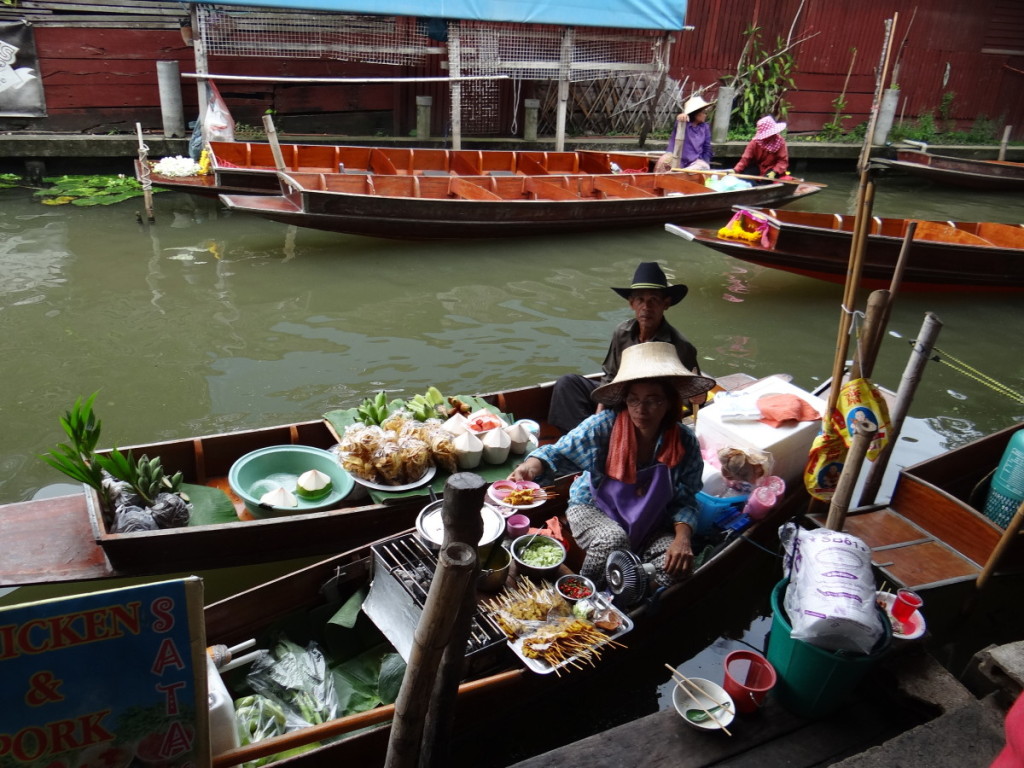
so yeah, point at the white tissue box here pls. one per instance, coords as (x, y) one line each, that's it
(788, 445)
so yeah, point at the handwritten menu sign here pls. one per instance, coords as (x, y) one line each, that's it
(106, 680)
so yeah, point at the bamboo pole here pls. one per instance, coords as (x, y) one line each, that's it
(463, 499)
(1004, 142)
(863, 432)
(275, 146)
(904, 396)
(147, 184)
(870, 331)
(456, 565)
(1012, 529)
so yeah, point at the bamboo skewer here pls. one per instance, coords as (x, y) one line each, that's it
(682, 682)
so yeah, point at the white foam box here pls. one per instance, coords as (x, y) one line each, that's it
(788, 445)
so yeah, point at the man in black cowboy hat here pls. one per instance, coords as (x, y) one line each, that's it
(649, 295)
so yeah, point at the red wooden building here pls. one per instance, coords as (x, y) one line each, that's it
(958, 61)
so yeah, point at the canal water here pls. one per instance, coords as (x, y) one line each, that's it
(208, 321)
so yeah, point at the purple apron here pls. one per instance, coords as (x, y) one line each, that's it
(639, 507)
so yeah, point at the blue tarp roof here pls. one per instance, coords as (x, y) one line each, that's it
(628, 14)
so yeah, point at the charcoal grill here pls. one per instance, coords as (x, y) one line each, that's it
(403, 568)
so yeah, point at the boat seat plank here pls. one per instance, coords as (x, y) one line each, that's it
(548, 190)
(466, 163)
(944, 233)
(929, 562)
(381, 163)
(677, 182)
(878, 528)
(946, 518)
(467, 190)
(1003, 235)
(615, 188)
(531, 166)
(56, 543)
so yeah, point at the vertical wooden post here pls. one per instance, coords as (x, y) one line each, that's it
(863, 433)
(275, 146)
(564, 77)
(463, 523)
(455, 91)
(1004, 142)
(904, 395)
(530, 119)
(870, 333)
(423, 106)
(456, 565)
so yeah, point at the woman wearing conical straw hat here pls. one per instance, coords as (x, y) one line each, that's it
(640, 468)
(693, 132)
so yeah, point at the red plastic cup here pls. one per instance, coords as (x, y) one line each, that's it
(904, 605)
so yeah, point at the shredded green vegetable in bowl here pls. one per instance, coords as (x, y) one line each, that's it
(541, 553)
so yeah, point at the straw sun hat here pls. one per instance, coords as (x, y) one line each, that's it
(695, 104)
(651, 360)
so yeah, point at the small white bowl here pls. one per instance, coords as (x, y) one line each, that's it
(713, 694)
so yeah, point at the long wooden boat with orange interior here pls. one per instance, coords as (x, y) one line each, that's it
(250, 167)
(944, 256)
(995, 175)
(442, 207)
(934, 536)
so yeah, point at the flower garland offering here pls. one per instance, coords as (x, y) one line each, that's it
(177, 166)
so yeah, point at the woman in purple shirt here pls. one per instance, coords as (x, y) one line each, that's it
(696, 141)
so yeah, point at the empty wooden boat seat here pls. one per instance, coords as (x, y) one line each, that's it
(467, 162)
(1003, 235)
(549, 189)
(426, 161)
(381, 163)
(946, 233)
(613, 187)
(471, 190)
(677, 182)
(532, 163)
(562, 162)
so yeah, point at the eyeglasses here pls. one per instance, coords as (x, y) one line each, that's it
(648, 403)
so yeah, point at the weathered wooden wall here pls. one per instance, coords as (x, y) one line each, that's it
(98, 63)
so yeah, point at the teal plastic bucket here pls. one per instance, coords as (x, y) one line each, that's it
(812, 681)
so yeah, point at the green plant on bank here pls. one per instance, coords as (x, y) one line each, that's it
(90, 190)
(10, 180)
(761, 81)
(249, 131)
(833, 129)
(79, 461)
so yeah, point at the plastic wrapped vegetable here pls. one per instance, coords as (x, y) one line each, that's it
(258, 718)
(299, 681)
(129, 519)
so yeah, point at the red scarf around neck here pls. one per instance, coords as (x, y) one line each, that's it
(621, 462)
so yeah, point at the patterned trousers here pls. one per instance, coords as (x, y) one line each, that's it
(599, 536)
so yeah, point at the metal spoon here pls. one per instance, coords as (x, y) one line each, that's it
(699, 715)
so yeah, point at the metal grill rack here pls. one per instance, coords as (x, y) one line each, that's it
(403, 568)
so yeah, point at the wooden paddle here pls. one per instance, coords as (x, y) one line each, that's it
(793, 180)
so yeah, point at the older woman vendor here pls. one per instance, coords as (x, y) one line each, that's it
(640, 467)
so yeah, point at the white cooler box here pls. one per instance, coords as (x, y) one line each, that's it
(788, 445)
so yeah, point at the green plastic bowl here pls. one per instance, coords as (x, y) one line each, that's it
(280, 465)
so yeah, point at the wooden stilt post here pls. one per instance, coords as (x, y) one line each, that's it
(904, 395)
(863, 433)
(456, 565)
(463, 499)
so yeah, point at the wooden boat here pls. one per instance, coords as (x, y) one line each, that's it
(496, 679)
(69, 539)
(440, 207)
(250, 167)
(945, 255)
(932, 536)
(995, 175)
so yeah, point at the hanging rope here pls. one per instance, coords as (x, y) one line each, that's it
(972, 373)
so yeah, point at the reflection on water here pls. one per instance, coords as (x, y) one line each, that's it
(207, 321)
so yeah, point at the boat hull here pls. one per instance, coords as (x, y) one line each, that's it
(962, 172)
(804, 244)
(401, 217)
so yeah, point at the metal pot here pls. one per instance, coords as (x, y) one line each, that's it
(430, 528)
